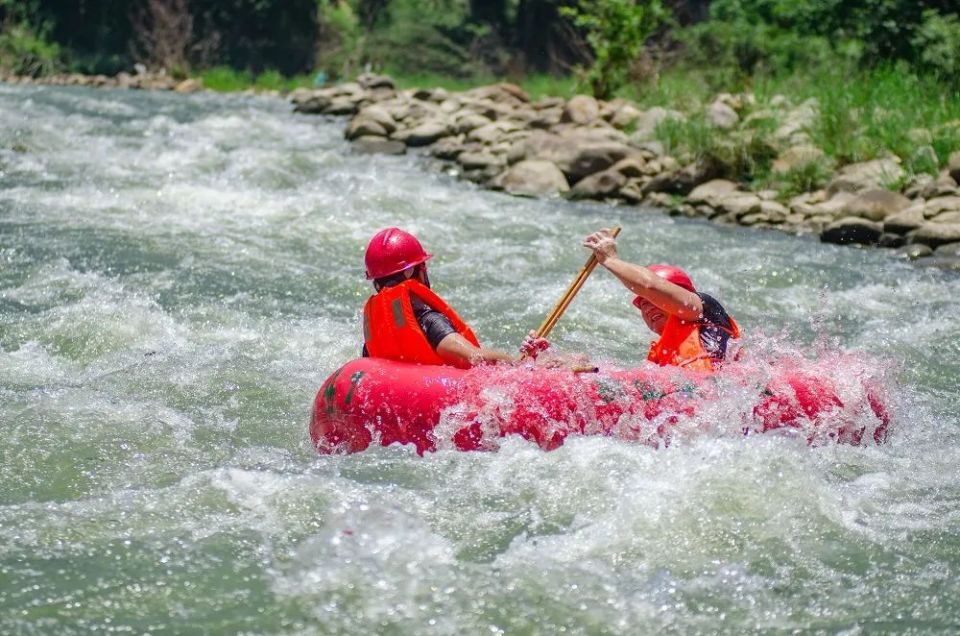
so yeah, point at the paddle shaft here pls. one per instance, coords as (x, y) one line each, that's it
(567, 298)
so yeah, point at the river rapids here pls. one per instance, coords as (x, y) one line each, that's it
(178, 276)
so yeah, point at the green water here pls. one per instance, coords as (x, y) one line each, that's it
(178, 275)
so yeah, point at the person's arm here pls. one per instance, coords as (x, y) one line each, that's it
(458, 351)
(673, 299)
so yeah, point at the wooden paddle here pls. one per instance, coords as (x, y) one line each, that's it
(551, 320)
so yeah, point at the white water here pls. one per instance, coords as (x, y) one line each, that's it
(180, 274)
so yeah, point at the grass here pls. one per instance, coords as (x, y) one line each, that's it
(226, 80)
(862, 115)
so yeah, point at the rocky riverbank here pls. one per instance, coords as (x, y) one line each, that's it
(613, 151)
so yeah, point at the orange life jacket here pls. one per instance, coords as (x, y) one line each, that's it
(391, 330)
(679, 345)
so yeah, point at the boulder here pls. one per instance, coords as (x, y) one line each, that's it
(425, 133)
(646, 124)
(876, 204)
(631, 167)
(482, 160)
(190, 85)
(312, 104)
(581, 110)
(905, 221)
(949, 249)
(341, 106)
(953, 166)
(492, 132)
(601, 185)
(947, 217)
(378, 145)
(534, 177)
(852, 230)
(740, 204)
(915, 251)
(868, 175)
(776, 212)
(942, 186)
(380, 115)
(580, 161)
(470, 121)
(936, 207)
(682, 181)
(361, 126)
(722, 116)
(936, 234)
(371, 80)
(891, 240)
(712, 192)
(796, 158)
(625, 116)
(449, 148)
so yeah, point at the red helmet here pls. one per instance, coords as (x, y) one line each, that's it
(392, 250)
(674, 275)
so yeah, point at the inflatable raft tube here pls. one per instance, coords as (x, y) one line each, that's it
(372, 400)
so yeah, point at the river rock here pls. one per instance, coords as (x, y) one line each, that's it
(953, 166)
(378, 145)
(876, 205)
(722, 116)
(796, 158)
(601, 185)
(947, 217)
(341, 106)
(889, 240)
(534, 177)
(646, 124)
(190, 85)
(943, 186)
(915, 251)
(712, 192)
(361, 126)
(852, 229)
(775, 211)
(588, 159)
(740, 204)
(625, 116)
(481, 160)
(631, 167)
(380, 115)
(470, 121)
(684, 180)
(866, 176)
(581, 110)
(425, 133)
(935, 207)
(491, 132)
(936, 234)
(371, 80)
(312, 104)
(949, 249)
(906, 220)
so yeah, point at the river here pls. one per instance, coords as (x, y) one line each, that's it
(179, 274)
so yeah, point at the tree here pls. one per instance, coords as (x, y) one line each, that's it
(616, 31)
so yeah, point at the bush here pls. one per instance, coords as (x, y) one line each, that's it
(616, 31)
(24, 46)
(938, 41)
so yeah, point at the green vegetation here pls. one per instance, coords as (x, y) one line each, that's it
(616, 31)
(874, 77)
(25, 48)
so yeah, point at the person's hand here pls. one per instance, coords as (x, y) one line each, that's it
(603, 244)
(532, 345)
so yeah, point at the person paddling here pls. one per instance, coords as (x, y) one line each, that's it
(694, 328)
(406, 321)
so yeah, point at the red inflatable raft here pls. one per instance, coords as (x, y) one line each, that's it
(378, 401)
